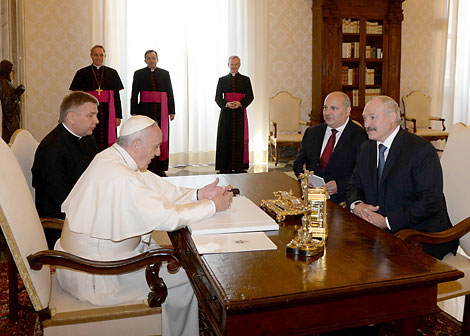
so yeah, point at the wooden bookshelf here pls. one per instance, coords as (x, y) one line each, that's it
(357, 50)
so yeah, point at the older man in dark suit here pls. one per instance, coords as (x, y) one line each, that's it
(397, 181)
(330, 149)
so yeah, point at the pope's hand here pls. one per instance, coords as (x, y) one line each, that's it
(222, 202)
(211, 190)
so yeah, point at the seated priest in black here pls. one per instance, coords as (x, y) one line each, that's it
(63, 155)
(330, 149)
(397, 182)
(104, 84)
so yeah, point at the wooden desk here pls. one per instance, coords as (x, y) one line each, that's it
(365, 276)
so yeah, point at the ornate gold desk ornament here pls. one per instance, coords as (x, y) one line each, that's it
(285, 204)
(310, 239)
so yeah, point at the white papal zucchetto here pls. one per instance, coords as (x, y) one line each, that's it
(134, 124)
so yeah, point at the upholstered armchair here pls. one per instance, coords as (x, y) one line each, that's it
(417, 110)
(284, 118)
(59, 312)
(456, 168)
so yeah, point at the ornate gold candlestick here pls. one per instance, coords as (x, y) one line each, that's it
(310, 239)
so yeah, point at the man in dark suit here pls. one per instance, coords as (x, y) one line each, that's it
(63, 155)
(152, 96)
(334, 162)
(397, 181)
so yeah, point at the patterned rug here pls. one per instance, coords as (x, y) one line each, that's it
(27, 324)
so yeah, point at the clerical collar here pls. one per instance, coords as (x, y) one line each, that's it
(97, 67)
(130, 162)
(151, 69)
(78, 136)
(234, 74)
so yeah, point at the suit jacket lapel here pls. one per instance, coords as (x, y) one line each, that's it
(373, 165)
(393, 154)
(343, 140)
(316, 148)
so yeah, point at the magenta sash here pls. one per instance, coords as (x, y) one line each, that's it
(107, 96)
(234, 96)
(162, 98)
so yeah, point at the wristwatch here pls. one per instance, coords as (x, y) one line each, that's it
(353, 205)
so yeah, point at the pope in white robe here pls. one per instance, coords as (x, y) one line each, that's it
(110, 214)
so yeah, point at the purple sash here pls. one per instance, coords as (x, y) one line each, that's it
(107, 96)
(234, 96)
(162, 98)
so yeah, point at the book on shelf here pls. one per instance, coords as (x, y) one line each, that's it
(373, 27)
(353, 97)
(350, 50)
(349, 76)
(355, 101)
(350, 26)
(370, 76)
(373, 52)
(371, 93)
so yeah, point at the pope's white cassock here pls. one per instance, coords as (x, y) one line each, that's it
(110, 214)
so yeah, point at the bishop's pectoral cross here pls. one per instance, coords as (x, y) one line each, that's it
(99, 91)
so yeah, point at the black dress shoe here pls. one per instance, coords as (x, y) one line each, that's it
(242, 171)
(162, 174)
(224, 172)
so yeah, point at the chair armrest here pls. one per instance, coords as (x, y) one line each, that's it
(305, 122)
(439, 119)
(413, 120)
(152, 260)
(415, 238)
(65, 259)
(52, 223)
(274, 124)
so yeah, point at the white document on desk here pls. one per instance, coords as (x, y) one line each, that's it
(243, 216)
(316, 181)
(233, 242)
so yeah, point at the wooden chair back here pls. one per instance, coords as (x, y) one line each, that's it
(418, 106)
(284, 109)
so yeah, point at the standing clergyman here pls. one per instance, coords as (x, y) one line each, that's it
(153, 85)
(233, 96)
(104, 84)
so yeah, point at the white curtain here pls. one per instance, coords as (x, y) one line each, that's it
(194, 40)
(109, 27)
(453, 88)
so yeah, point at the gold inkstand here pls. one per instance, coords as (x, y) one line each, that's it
(310, 239)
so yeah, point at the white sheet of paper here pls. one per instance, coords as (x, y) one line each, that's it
(243, 216)
(316, 181)
(233, 242)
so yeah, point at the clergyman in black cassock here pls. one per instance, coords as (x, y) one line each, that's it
(95, 79)
(233, 95)
(62, 157)
(148, 82)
